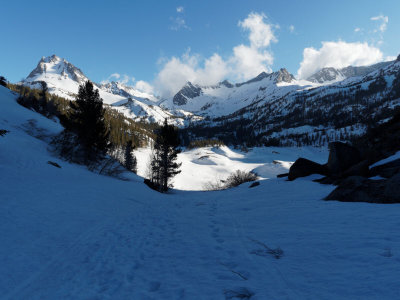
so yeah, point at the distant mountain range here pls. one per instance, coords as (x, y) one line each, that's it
(330, 104)
(330, 75)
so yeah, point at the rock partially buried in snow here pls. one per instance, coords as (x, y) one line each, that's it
(392, 189)
(303, 167)
(254, 184)
(358, 189)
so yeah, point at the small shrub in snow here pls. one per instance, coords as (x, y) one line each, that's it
(3, 132)
(239, 177)
(110, 167)
(236, 178)
(216, 185)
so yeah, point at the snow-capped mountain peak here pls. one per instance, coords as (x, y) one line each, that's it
(53, 67)
(63, 79)
(282, 76)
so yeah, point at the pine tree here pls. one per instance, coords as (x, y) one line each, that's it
(130, 159)
(43, 98)
(164, 165)
(87, 121)
(3, 81)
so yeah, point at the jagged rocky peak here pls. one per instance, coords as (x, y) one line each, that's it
(280, 76)
(188, 91)
(52, 59)
(116, 88)
(283, 76)
(226, 83)
(259, 77)
(398, 58)
(324, 75)
(56, 66)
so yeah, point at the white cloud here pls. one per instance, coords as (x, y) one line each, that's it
(180, 9)
(178, 70)
(261, 33)
(249, 61)
(357, 29)
(145, 87)
(245, 61)
(115, 75)
(338, 55)
(124, 79)
(291, 28)
(390, 58)
(383, 25)
(179, 23)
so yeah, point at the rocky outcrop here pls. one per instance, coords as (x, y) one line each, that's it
(188, 91)
(386, 170)
(303, 167)
(342, 156)
(360, 189)
(283, 76)
(344, 160)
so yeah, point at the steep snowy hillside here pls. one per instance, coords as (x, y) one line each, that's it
(63, 79)
(68, 233)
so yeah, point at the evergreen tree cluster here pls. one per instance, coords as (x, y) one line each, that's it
(164, 164)
(3, 81)
(121, 128)
(86, 120)
(130, 160)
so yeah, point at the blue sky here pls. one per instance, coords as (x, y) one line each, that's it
(164, 42)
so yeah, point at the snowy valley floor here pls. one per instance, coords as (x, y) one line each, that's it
(71, 234)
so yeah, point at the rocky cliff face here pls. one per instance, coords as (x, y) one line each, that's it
(188, 91)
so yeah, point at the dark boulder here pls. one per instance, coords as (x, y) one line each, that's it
(386, 170)
(359, 189)
(303, 167)
(254, 184)
(392, 189)
(341, 157)
(54, 164)
(359, 169)
(282, 175)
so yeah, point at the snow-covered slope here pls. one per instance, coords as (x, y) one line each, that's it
(202, 166)
(63, 79)
(67, 233)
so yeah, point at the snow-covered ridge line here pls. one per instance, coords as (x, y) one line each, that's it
(265, 99)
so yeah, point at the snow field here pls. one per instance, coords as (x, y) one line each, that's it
(71, 234)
